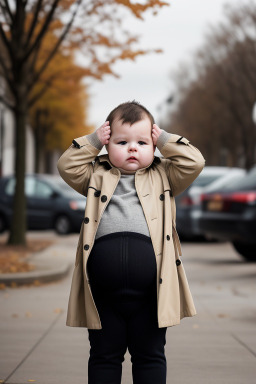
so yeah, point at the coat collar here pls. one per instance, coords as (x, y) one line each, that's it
(105, 159)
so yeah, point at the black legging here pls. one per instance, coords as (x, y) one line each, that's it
(122, 274)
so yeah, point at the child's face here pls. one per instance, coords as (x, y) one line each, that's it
(131, 146)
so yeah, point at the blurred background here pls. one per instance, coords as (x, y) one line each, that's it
(64, 65)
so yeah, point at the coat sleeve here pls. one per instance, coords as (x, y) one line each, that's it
(182, 161)
(75, 164)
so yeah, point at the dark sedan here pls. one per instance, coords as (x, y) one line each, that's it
(188, 202)
(51, 203)
(230, 214)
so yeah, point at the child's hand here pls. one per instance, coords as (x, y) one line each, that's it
(103, 133)
(156, 132)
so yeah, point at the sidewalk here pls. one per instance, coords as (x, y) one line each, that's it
(50, 265)
(217, 346)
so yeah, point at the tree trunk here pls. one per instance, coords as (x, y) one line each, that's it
(18, 225)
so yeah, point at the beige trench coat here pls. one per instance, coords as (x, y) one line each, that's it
(156, 186)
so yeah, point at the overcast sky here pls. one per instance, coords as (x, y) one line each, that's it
(178, 30)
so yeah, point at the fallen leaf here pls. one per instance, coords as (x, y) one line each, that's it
(58, 310)
(222, 315)
(14, 258)
(36, 282)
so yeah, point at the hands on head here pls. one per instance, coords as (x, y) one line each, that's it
(156, 132)
(104, 133)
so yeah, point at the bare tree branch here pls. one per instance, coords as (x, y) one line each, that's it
(42, 31)
(55, 48)
(39, 94)
(8, 9)
(4, 10)
(6, 41)
(5, 102)
(6, 74)
(33, 24)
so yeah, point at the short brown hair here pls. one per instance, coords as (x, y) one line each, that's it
(129, 112)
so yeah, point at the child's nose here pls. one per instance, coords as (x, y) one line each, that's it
(132, 147)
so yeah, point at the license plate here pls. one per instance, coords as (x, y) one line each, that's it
(214, 205)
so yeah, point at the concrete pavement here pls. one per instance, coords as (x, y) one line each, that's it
(218, 345)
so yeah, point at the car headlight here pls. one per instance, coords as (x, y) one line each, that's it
(77, 205)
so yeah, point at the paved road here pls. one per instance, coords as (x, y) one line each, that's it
(216, 346)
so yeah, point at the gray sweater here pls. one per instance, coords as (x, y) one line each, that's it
(124, 211)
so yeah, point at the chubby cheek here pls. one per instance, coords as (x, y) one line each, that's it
(148, 157)
(116, 156)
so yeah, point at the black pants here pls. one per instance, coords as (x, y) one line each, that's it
(122, 273)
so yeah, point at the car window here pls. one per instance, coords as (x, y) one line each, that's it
(9, 188)
(204, 180)
(42, 190)
(30, 185)
(33, 188)
(225, 181)
(246, 183)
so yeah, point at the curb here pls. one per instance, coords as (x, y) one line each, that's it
(50, 265)
(40, 276)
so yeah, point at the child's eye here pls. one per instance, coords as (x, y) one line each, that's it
(122, 142)
(141, 142)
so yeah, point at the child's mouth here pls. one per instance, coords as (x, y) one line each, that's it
(132, 158)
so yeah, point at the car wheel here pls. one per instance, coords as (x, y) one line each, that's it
(248, 251)
(2, 224)
(62, 225)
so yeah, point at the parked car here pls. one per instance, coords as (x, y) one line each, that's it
(189, 200)
(51, 203)
(230, 214)
(234, 174)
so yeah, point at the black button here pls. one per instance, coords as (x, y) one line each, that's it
(86, 247)
(161, 197)
(168, 237)
(104, 198)
(97, 193)
(86, 220)
(178, 262)
(160, 280)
